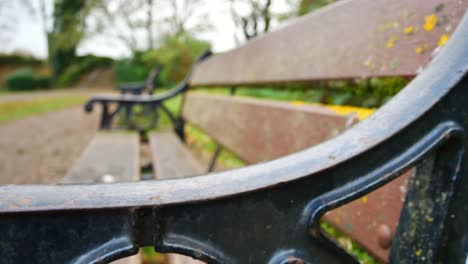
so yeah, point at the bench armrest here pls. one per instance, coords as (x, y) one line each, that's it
(135, 88)
(127, 101)
(136, 99)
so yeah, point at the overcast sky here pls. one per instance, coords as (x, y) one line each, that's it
(28, 36)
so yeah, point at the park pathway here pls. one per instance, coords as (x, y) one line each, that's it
(40, 149)
(20, 96)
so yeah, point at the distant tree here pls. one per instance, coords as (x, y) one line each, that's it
(183, 18)
(124, 21)
(45, 13)
(177, 54)
(43, 9)
(66, 33)
(307, 6)
(6, 21)
(256, 20)
(149, 23)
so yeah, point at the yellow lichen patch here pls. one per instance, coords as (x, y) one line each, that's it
(389, 25)
(430, 22)
(364, 199)
(418, 252)
(369, 63)
(297, 102)
(419, 50)
(443, 39)
(362, 113)
(391, 42)
(429, 219)
(409, 30)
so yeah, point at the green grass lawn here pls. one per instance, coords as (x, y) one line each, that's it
(14, 110)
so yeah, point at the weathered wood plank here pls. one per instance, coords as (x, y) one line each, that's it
(260, 130)
(171, 159)
(110, 157)
(348, 39)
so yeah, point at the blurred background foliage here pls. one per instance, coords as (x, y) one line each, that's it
(176, 53)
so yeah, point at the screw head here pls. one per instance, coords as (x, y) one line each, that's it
(384, 236)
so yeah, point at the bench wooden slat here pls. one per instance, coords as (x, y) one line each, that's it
(348, 39)
(113, 154)
(171, 159)
(261, 130)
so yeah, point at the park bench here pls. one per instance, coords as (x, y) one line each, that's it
(270, 212)
(137, 88)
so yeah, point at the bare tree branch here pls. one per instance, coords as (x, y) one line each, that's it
(258, 19)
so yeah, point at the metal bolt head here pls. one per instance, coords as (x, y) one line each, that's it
(384, 236)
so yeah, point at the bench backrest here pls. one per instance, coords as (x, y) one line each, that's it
(153, 78)
(261, 130)
(346, 40)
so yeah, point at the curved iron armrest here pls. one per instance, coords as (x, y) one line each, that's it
(126, 102)
(269, 212)
(153, 80)
(136, 88)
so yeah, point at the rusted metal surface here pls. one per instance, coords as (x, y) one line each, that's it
(348, 39)
(109, 157)
(262, 130)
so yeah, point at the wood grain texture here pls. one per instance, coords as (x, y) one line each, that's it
(261, 130)
(113, 154)
(345, 40)
(171, 159)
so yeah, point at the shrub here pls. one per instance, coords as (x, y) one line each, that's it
(19, 59)
(69, 76)
(24, 79)
(129, 70)
(176, 54)
(80, 66)
(43, 81)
